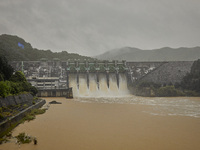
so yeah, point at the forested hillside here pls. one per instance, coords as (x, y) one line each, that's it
(15, 48)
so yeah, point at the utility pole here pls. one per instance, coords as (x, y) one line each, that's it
(22, 67)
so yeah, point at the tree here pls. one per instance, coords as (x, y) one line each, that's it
(13, 83)
(6, 70)
(4, 89)
(1, 77)
(33, 90)
(18, 77)
(14, 88)
(192, 80)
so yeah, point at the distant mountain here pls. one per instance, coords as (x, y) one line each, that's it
(163, 54)
(16, 49)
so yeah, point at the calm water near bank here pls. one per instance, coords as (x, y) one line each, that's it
(119, 123)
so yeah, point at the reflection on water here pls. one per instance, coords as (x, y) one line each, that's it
(181, 106)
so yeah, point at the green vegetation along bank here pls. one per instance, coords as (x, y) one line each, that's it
(16, 99)
(189, 86)
(26, 114)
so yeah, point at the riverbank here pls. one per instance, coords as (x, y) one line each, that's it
(165, 91)
(12, 105)
(10, 123)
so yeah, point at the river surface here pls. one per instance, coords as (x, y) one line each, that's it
(115, 123)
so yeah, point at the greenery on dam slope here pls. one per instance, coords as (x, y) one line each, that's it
(189, 86)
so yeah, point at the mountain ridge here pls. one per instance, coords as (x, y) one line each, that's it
(162, 54)
(15, 48)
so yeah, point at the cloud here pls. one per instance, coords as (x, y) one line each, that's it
(91, 27)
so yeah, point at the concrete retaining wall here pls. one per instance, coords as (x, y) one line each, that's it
(171, 72)
(15, 100)
(15, 119)
(55, 93)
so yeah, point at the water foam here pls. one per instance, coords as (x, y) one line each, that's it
(177, 106)
(98, 91)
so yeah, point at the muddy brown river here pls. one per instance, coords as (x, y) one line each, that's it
(121, 123)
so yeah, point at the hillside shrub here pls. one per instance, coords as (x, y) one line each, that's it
(4, 89)
(18, 76)
(169, 91)
(23, 138)
(191, 82)
(17, 82)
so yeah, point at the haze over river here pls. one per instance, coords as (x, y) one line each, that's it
(115, 123)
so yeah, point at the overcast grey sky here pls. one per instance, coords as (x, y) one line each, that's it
(91, 27)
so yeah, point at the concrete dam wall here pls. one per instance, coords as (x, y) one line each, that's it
(98, 77)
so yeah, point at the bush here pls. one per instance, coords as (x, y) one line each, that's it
(23, 138)
(14, 88)
(35, 98)
(1, 77)
(18, 76)
(18, 84)
(37, 111)
(169, 91)
(148, 84)
(191, 93)
(4, 89)
(191, 81)
(33, 90)
(3, 140)
(1, 117)
(6, 70)
(29, 117)
(25, 105)
(13, 83)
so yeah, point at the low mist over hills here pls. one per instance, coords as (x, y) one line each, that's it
(15, 48)
(163, 54)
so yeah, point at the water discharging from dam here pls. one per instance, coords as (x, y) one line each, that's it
(101, 86)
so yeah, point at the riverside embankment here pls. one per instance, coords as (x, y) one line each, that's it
(16, 99)
(22, 100)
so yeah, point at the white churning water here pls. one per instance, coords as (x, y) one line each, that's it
(162, 106)
(100, 89)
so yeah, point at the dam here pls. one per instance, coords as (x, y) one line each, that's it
(86, 78)
(97, 78)
(100, 84)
